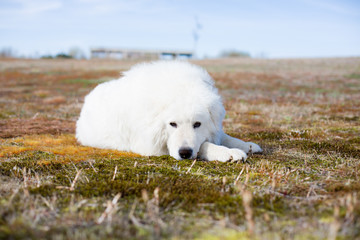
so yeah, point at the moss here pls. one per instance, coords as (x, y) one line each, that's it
(266, 135)
(341, 147)
(226, 234)
(355, 140)
(85, 82)
(20, 229)
(270, 203)
(6, 114)
(344, 118)
(337, 187)
(62, 148)
(176, 187)
(354, 76)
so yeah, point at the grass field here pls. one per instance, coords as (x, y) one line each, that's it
(306, 185)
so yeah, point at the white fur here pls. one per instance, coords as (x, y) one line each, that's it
(134, 114)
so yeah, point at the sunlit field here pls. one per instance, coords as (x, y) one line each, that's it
(305, 113)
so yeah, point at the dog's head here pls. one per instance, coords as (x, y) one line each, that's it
(188, 128)
(188, 111)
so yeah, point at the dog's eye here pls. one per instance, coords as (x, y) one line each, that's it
(197, 124)
(173, 124)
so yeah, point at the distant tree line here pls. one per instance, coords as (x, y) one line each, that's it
(74, 53)
(78, 53)
(7, 52)
(232, 53)
(59, 56)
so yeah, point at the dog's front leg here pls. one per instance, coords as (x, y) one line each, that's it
(211, 152)
(231, 142)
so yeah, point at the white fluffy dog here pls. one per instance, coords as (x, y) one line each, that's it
(160, 108)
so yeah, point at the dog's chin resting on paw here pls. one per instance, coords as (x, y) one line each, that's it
(160, 108)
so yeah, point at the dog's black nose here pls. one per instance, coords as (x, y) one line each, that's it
(185, 153)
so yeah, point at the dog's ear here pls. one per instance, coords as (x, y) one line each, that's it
(217, 114)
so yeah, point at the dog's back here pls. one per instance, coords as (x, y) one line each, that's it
(125, 114)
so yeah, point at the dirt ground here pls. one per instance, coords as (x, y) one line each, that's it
(303, 112)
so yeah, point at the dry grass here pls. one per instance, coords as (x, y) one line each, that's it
(64, 148)
(305, 113)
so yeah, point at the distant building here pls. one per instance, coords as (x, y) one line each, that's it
(116, 53)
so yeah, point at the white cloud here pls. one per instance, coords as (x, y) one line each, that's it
(332, 6)
(26, 7)
(101, 7)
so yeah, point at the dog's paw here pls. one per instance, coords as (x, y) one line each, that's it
(253, 148)
(231, 155)
(211, 152)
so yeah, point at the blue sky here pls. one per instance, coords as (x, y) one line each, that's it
(275, 29)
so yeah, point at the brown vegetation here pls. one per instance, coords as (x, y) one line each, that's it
(304, 113)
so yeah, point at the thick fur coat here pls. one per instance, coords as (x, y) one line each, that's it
(160, 108)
